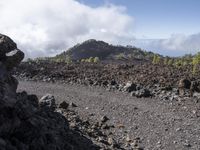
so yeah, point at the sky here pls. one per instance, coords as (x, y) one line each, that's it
(48, 27)
(159, 18)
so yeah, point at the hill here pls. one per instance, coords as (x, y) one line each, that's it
(104, 51)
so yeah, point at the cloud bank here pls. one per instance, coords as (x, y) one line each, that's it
(47, 27)
(176, 45)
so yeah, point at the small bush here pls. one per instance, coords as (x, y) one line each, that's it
(68, 59)
(96, 59)
(156, 59)
(195, 62)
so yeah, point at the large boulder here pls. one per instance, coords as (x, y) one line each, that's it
(10, 56)
(182, 85)
(13, 58)
(195, 87)
(6, 45)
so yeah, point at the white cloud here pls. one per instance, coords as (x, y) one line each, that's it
(46, 27)
(176, 45)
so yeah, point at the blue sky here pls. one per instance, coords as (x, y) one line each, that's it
(49, 27)
(157, 19)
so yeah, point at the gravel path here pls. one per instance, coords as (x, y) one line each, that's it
(168, 125)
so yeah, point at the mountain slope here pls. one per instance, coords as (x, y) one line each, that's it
(105, 51)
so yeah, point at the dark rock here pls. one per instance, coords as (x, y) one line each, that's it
(13, 59)
(142, 93)
(106, 127)
(104, 119)
(73, 105)
(166, 88)
(138, 87)
(6, 45)
(10, 56)
(195, 87)
(129, 87)
(184, 83)
(25, 107)
(64, 105)
(105, 83)
(33, 100)
(113, 82)
(47, 101)
(113, 143)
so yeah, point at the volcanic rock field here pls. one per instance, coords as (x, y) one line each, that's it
(132, 105)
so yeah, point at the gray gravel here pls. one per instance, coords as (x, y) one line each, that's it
(168, 125)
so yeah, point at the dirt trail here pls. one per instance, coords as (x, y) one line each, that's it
(168, 125)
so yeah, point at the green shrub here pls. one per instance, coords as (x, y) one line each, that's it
(195, 62)
(91, 59)
(170, 62)
(96, 59)
(156, 59)
(166, 61)
(82, 60)
(120, 56)
(68, 59)
(178, 63)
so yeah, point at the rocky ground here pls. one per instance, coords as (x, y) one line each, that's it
(141, 79)
(134, 123)
(135, 105)
(29, 123)
(148, 106)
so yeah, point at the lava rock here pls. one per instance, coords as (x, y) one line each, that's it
(6, 45)
(104, 119)
(47, 102)
(129, 87)
(184, 83)
(10, 56)
(64, 105)
(113, 82)
(195, 87)
(73, 105)
(142, 93)
(13, 58)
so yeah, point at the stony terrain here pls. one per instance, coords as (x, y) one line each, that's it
(144, 123)
(141, 79)
(29, 123)
(149, 106)
(132, 105)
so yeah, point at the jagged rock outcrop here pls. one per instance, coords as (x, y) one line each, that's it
(10, 56)
(25, 123)
(6, 45)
